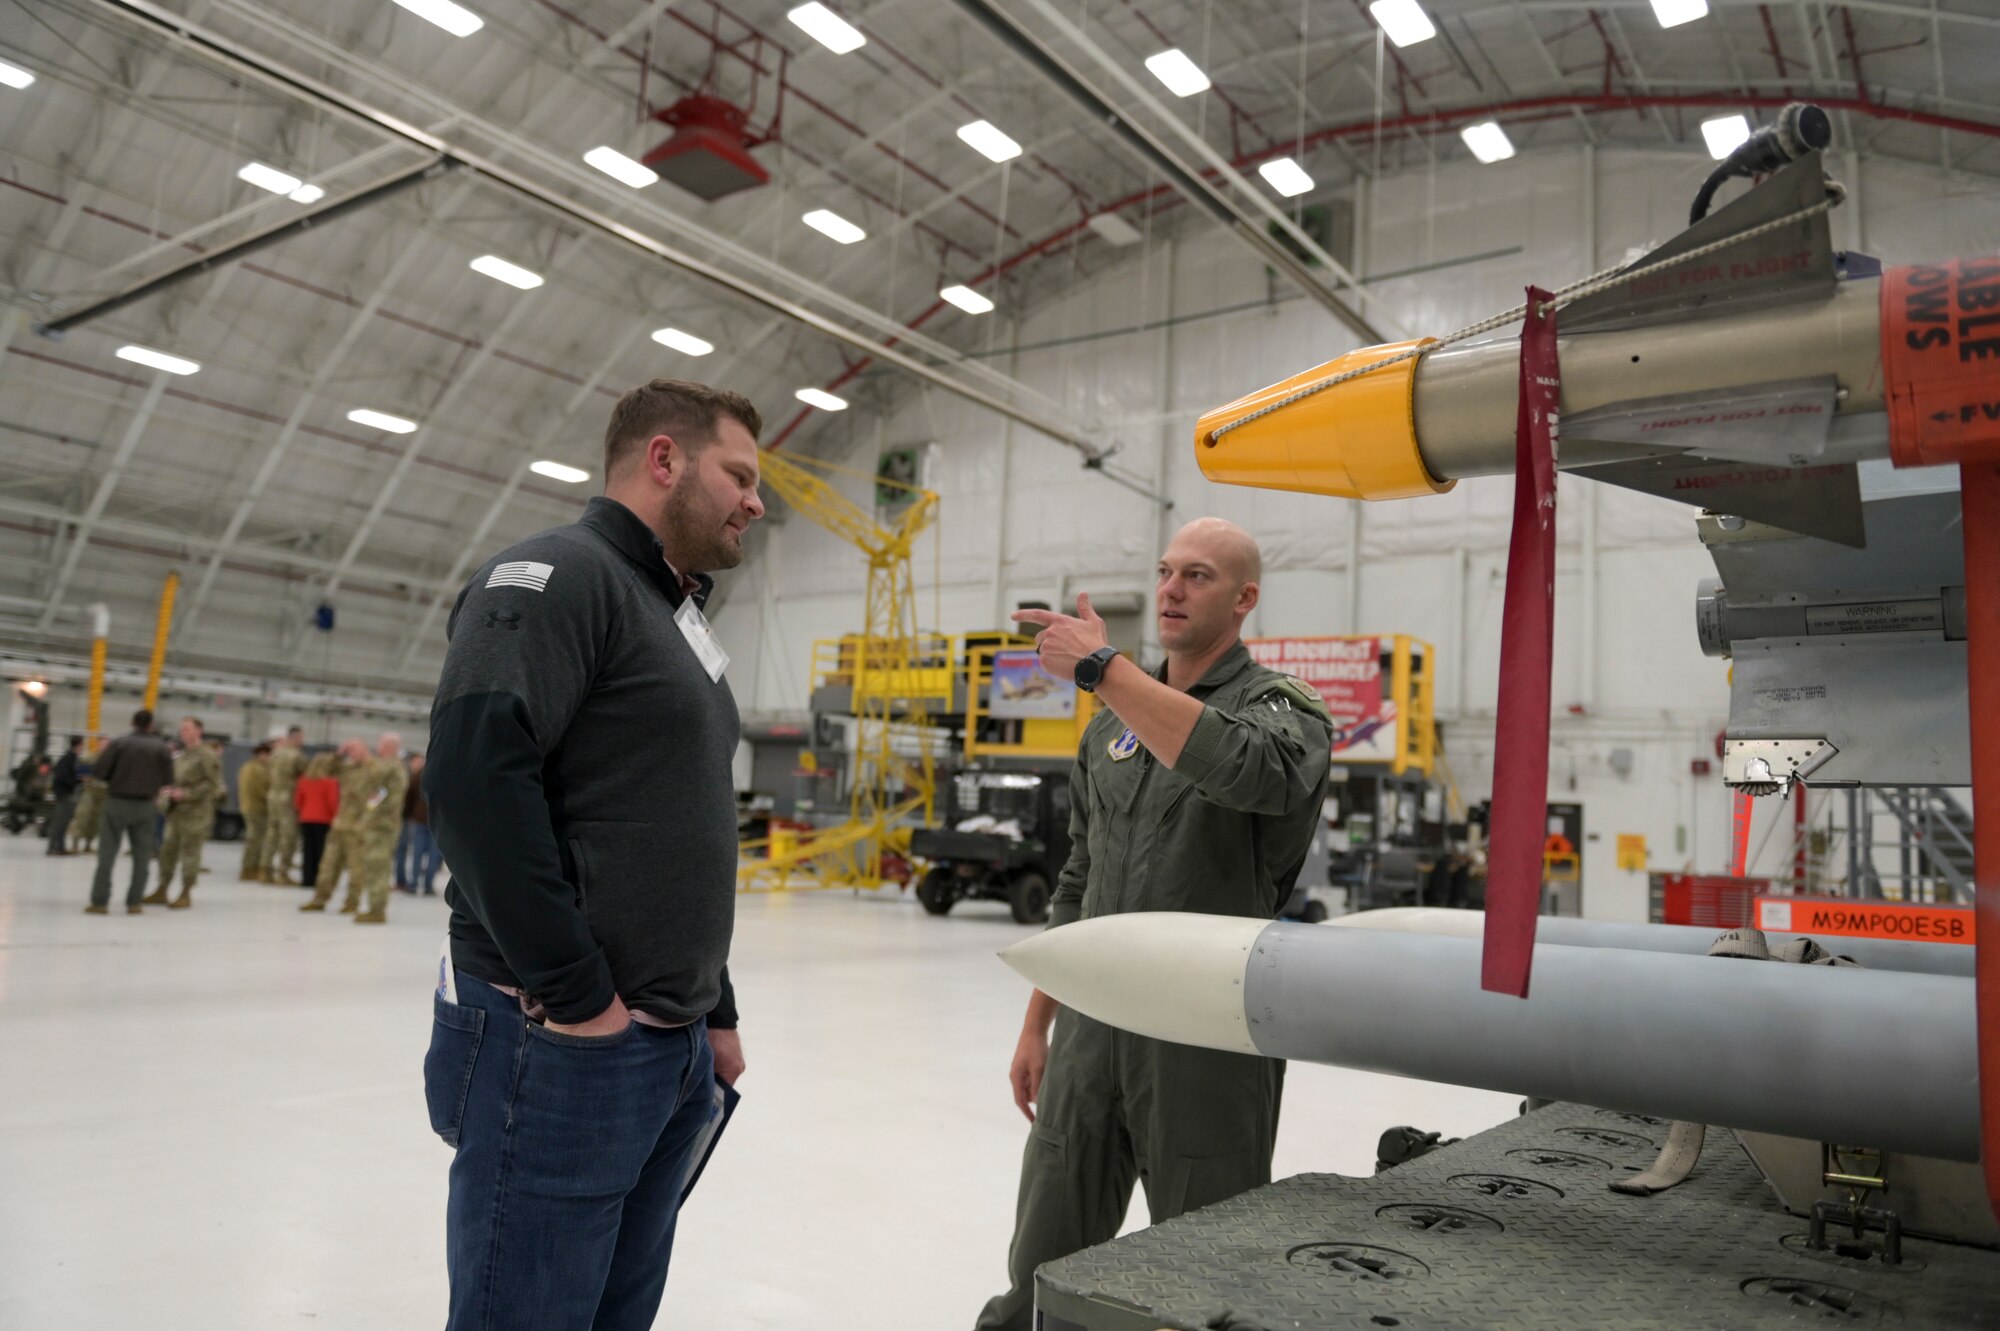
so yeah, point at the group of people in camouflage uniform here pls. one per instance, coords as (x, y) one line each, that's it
(363, 839)
(360, 843)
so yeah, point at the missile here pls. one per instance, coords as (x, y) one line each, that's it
(1743, 367)
(1840, 1054)
(1882, 954)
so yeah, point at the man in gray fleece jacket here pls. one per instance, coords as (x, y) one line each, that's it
(580, 787)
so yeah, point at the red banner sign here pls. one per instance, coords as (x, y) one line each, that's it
(1346, 672)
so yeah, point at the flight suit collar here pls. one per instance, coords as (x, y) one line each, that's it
(1227, 667)
(635, 540)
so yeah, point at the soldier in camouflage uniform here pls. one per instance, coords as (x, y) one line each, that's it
(363, 840)
(89, 815)
(192, 798)
(253, 786)
(281, 827)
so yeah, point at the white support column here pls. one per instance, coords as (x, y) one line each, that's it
(1352, 572)
(1170, 434)
(1587, 632)
(1461, 647)
(1000, 606)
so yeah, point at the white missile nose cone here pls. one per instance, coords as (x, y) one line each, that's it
(1166, 974)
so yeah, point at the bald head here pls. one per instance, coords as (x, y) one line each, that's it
(1231, 549)
(1207, 586)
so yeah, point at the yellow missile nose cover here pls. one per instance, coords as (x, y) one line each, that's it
(1357, 440)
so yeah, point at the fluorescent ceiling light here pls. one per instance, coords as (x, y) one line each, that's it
(556, 471)
(307, 194)
(685, 343)
(454, 19)
(989, 141)
(1725, 134)
(621, 168)
(1489, 142)
(270, 178)
(1405, 21)
(825, 401)
(512, 274)
(382, 420)
(1673, 13)
(158, 360)
(13, 76)
(966, 299)
(833, 226)
(1115, 230)
(1181, 75)
(827, 28)
(1285, 176)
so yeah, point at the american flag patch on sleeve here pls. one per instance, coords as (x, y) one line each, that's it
(521, 573)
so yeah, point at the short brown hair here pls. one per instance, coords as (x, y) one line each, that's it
(688, 411)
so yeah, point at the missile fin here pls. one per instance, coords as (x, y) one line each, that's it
(1822, 500)
(1791, 263)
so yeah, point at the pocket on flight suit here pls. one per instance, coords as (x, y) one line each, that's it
(1047, 1203)
(456, 1029)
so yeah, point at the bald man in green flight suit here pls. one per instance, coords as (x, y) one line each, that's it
(1196, 788)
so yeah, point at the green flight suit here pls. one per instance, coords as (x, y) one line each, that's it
(191, 820)
(253, 787)
(281, 825)
(363, 838)
(1223, 832)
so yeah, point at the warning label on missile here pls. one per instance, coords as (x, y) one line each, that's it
(1941, 360)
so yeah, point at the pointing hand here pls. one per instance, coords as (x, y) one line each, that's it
(1066, 639)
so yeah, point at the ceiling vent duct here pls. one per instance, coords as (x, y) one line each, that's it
(709, 154)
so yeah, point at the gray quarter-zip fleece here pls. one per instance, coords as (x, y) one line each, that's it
(580, 782)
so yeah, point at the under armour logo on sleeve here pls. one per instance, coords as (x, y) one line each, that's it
(496, 620)
(521, 573)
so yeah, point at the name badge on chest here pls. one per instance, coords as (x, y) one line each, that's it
(694, 627)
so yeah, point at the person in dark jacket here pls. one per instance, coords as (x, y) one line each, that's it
(134, 768)
(416, 848)
(64, 783)
(580, 785)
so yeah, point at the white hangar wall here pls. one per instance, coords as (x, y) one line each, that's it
(1021, 520)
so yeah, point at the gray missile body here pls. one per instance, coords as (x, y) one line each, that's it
(1860, 1057)
(1882, 954)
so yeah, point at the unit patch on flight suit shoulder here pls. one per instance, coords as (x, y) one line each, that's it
(1292, 692)
(1123, 747)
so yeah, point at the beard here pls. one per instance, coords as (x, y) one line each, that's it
(705, 540)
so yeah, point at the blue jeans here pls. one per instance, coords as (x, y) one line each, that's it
(571, 1157)
(424, 858)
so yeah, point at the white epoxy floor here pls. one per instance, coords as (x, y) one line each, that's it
(213, 1119)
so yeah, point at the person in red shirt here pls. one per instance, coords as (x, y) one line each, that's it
(317, 798)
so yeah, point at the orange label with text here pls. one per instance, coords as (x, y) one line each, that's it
(1941, 361)
(1864, 919)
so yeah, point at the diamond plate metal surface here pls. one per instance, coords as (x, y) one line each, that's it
(1514, 1227)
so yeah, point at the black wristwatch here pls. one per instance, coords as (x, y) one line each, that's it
(1090, 670)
